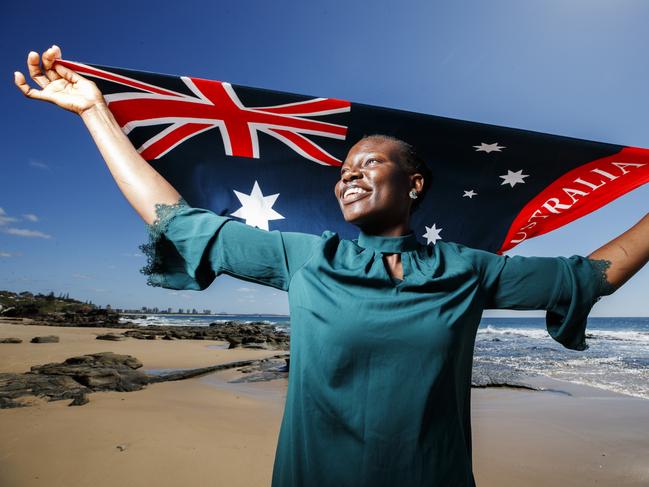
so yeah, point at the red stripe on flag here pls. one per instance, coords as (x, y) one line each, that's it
(170, 140)
(82, 68)
(309, 148)
(579, 192)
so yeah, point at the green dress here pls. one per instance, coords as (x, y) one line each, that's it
(380, 382)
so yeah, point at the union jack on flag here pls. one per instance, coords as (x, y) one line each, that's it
(274, 161)
(215, 104)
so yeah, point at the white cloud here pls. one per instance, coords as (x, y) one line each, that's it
(4, 218)
(78, 275)
(7, 254)
(136, 254)
(38, 164)
(23, 232)
(245, 290)
(31, 217)
(182, 295)
(247, 300)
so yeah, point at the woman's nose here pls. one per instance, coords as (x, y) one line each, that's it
(351, 174)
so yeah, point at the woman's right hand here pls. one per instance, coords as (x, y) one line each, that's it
(140, 183)
(59, 85)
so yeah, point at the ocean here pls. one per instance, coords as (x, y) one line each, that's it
(617, 358)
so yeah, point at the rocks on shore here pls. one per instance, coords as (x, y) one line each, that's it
(111, 336)
(249, 335)
(77, 377)
(486, 374)
(73, 379)
(45, 339)
(11, 340)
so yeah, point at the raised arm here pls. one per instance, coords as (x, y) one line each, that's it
(627, 253)
(142, 185)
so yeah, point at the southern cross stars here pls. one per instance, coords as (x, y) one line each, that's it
(469, 194)
(512, 178)
(256, 208)
(432, 234)
(489, 147)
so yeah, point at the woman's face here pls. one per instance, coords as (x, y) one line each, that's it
(373, 188)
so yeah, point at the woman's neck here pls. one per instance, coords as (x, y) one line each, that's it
(382, 230)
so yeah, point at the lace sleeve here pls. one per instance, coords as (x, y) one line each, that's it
(600, 266)
(164, 214)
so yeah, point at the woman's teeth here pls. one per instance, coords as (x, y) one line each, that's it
(353, 190)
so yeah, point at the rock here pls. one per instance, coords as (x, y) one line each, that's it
(264, 370)
(112, 337)
(73, 379)
(105, 371)
(45, 339)
(79, 400)
(485, 374)
(10, 340)
(15, 388)
(136, 334)
(255, 345)
(121, 447)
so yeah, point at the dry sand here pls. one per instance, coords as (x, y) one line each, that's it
(204, 431)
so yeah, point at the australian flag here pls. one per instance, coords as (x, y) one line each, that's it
(271, 159)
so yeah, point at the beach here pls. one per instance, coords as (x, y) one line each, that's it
(207, 431)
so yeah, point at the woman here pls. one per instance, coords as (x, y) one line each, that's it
(382, 327)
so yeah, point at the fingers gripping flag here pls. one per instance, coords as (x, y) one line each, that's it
(271, 159)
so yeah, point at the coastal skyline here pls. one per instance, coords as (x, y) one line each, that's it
(64, 227)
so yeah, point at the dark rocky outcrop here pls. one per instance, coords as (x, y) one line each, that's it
(111, 337)
(73, 379)
(45, 339)
(77, 377)
(242, 365)
(247, 335)
(486, 374)
(11, 340)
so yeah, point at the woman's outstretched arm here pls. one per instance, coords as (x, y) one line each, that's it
(627, 253)
(142, 185)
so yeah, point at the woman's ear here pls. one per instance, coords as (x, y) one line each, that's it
(417, 181)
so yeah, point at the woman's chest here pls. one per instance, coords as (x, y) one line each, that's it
(370, 312)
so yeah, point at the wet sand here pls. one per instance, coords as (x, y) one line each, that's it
(205, 431)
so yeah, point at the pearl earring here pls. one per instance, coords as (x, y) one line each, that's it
(413, 194)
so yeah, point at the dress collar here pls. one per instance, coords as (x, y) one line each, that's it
(388, 245)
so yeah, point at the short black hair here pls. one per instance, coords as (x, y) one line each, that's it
(411, 161)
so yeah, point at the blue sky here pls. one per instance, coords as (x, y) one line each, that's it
(575, 68)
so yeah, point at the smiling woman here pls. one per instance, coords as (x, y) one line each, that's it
(384, 169)
(382, 327)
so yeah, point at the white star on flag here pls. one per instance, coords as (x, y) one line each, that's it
(469, 194)
(513, 178)
(256, 208)
(432, 234)
(483, 147)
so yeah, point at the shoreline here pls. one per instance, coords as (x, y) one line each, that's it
(207, 430)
